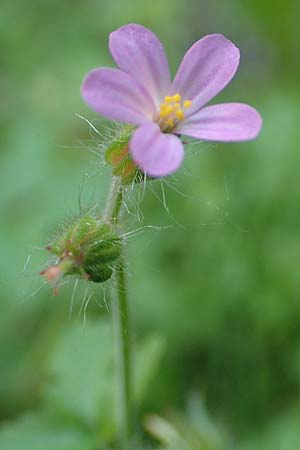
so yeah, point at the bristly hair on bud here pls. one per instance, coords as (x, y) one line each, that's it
(89, 248)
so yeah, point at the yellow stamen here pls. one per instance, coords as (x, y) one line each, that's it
(165, 111)
(180, 114)
(170, 123)
(172, 111)
(163, 114)
(176, 98)
(168, 99)
(187, 103)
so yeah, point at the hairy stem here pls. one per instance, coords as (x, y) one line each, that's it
(114, 201)
(122, 325)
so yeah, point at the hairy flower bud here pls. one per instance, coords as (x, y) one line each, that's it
(88, 248)
(118, 156)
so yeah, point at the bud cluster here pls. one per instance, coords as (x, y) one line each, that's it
(89, 248)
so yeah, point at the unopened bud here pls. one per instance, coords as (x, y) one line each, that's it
(88, 248)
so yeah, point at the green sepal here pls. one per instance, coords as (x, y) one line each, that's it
(118, 156)
(99, 273)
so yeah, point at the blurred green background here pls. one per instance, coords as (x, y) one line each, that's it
(215, 291)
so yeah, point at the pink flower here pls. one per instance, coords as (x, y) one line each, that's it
(141, 93)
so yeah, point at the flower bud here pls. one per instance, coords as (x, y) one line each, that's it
(118, 156)
(88, 248)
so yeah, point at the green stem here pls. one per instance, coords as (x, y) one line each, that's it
(122, 325)
(114, 201)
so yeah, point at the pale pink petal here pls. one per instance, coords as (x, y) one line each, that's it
(227, 122)
(205, 70)
(116, 95)
(139, 52)
(156, 153)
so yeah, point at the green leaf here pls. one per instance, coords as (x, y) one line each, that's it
(82, 381)
(38, 431)
(81, 369)
(147, 364)
(283, 433)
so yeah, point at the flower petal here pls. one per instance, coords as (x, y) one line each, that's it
(206, 69)
(227, 122)
(156, 153)
(116, 95)
(138, 51)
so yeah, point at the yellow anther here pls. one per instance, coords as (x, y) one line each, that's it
(172, 111)
(163, 114)
(176, 98)
(187, 103)
(180, 114)
(168, 99)
(170, 123)
(165, 111)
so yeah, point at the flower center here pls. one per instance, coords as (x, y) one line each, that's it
(172, 111)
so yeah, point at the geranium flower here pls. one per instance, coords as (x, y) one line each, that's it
(141, 93)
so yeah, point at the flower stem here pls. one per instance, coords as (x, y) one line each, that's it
(114, 201)
(122, 326)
